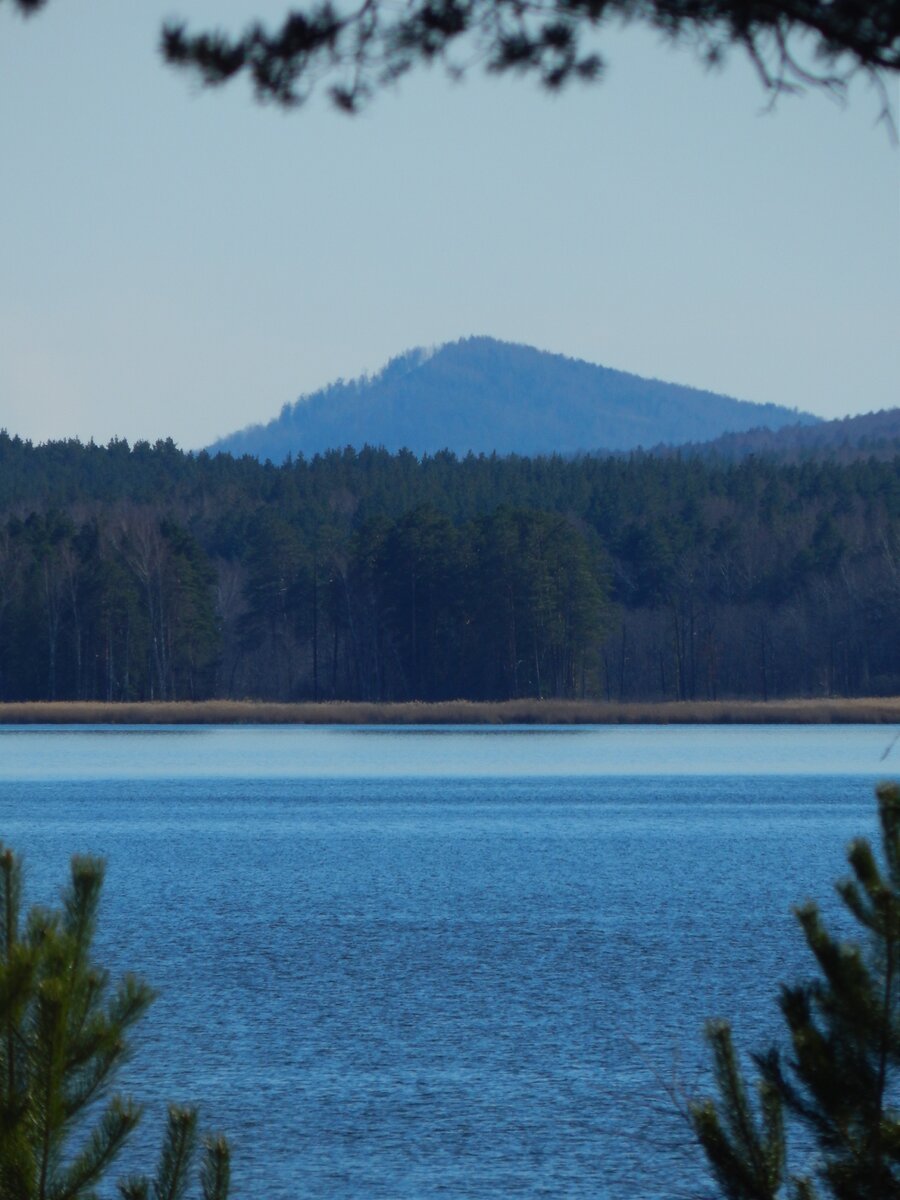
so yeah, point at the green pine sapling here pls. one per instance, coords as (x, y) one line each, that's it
(840, 1079)
(63, 1035)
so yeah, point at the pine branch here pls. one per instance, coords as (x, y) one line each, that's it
(177, 1153)
(48, 1050)
(80, 903)
(372, 45)
(215, 1172)
(747, 1162)
(100, 1048)
(803, 1190)
(12, 979)
(64, 1036)
(117, 1122)
(131, 1001)
(844, 1028)
(135, 1187)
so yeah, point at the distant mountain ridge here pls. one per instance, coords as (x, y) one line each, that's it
(486, 396)
(869, 435)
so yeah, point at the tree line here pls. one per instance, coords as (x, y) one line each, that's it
(142, 572)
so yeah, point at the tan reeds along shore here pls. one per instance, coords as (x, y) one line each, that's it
(881, 710)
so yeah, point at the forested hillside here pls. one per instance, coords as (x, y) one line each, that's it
(483, 395)
(142, 572)
(870, 434)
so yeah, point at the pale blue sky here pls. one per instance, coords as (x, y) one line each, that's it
(177, 263)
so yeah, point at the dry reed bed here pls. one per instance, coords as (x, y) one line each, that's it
(459, 712)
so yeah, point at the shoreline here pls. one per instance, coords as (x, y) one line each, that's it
(835, 711)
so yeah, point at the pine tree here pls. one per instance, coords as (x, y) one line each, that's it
(840, 1080)
(63, 1035)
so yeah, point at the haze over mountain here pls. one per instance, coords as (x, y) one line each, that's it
(482, 395)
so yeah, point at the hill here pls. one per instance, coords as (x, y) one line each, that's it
(483, 395)
(871, 435)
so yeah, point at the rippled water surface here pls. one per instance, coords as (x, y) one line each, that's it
(445, 963)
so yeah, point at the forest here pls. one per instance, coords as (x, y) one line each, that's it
(143, 572)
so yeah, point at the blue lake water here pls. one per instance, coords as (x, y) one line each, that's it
(462, 963)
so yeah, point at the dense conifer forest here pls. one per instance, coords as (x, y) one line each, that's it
(144, 572)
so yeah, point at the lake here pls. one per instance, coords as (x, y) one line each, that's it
(404, 963)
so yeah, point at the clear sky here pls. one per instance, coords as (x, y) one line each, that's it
(182, 263)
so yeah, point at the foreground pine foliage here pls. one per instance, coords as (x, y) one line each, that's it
(63, 1034)
(840, 1080)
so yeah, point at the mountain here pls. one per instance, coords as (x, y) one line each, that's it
(483, 395)
(871, 435)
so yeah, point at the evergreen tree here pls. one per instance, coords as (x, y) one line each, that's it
(840, 1081)
(139, 574)
(63, 1035)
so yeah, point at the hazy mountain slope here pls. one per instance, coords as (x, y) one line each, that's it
(483, 395)
(874, 434)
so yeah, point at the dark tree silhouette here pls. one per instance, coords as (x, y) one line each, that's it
(838, 1082)
(353, 51)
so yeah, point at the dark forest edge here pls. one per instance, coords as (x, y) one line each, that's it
(142, 573)
(858, 711)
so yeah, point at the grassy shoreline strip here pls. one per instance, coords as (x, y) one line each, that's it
(861, 711)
